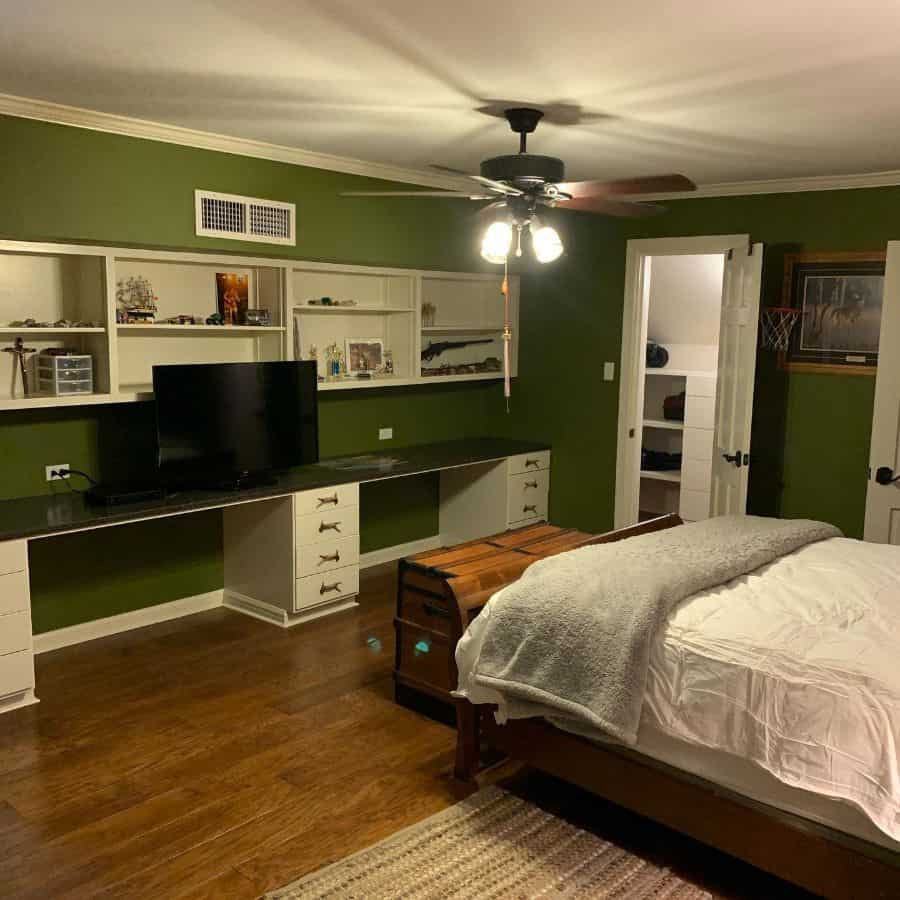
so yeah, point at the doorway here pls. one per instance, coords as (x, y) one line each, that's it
(668, 414)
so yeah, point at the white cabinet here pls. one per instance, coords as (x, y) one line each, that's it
(326, 542)
(16, 653)
(529, 494)
(684, 490)
(70, 292)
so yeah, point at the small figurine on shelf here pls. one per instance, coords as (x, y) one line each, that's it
(388, 362)
(135, 297)
(215, 319)
(429, 311)
(19, 353)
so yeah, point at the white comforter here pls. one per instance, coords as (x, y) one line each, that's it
(795, 667)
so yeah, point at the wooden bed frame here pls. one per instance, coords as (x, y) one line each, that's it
(813, 856)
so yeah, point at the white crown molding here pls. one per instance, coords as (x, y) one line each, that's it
(59, 114)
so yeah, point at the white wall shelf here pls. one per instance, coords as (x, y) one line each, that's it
(206, 330)
(462, 329)
(674, 477)
(24, 332)
(681, 373)
(344, 310)
(664, 424)
(49, 282)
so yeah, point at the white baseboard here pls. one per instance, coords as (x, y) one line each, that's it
(398, 551)
(138, 618)
(163, 612)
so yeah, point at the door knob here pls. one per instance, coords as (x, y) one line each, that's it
(736, 458)
(885, 475)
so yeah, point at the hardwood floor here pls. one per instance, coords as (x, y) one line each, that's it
(218, 757)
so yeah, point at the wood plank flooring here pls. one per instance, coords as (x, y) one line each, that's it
(218, 757)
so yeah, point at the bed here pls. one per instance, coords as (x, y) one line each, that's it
(769, 724)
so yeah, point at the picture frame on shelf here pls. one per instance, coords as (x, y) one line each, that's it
(364, 355)
(232, 296)
(839, 296)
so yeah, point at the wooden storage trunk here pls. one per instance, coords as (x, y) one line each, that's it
(438, 594)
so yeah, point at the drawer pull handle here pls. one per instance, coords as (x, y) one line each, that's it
(531, 484)
(330, 557)
(329, 526)
(531, 507)
(327, 588)
(532, 462)
(324, 501)
(436, 611)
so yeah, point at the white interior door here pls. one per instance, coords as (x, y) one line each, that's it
(883, 494)
(741, 288)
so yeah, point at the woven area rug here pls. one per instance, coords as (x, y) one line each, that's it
(492, 845)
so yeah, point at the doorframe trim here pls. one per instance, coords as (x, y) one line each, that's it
(634, 338)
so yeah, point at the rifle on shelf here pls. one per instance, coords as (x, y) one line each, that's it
(436, 348)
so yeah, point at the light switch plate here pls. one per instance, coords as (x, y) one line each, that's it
(385, 434)
(609, 371)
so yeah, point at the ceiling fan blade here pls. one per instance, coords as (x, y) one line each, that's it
(448, 169)
(652, 184)
(498, 186)
(461, 195)
(605, 206)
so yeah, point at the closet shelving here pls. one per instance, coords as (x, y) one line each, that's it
(53, 282)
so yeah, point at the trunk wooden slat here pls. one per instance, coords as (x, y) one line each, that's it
(440, 591)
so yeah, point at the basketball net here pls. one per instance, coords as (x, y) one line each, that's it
(777, 324)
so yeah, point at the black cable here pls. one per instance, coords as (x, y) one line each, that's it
(92, 480)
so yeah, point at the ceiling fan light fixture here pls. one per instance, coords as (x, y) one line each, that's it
(546, 243)
(496, 243)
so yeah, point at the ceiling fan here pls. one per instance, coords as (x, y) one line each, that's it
(518, 184)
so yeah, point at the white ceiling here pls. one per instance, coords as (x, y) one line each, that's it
(721, 91)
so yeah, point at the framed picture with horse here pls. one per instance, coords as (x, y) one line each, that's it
(839, 299)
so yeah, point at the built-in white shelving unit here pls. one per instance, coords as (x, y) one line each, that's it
(53, 282)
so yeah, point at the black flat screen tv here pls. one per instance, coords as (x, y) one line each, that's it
(234, 424)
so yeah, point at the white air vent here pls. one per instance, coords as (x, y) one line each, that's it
(245, 218)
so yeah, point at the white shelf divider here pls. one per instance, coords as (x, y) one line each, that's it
(673, 477)
(205, 330)
(664, 423)
(22, 330)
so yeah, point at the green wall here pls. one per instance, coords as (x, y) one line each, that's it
(74, 185)
(811, 432)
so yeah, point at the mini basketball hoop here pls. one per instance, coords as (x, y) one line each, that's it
(777, 324)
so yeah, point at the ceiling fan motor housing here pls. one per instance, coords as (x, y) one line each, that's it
(524, 169)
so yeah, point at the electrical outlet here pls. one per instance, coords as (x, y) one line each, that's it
(385, 434)
(52, 472)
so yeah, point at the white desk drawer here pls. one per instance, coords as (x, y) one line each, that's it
(316, 589)
(327, 525)
(15, 632)
(13, 593)
(699, 412)
(325, 499)
(696, 474)
(529, 462)
(13, 556)
(528, 489)
(697, 443)
(700, 386)
(327, 556)
(521, 508)
(693, 505)
(16, 673)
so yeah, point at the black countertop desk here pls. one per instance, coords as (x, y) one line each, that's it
(34, 517)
